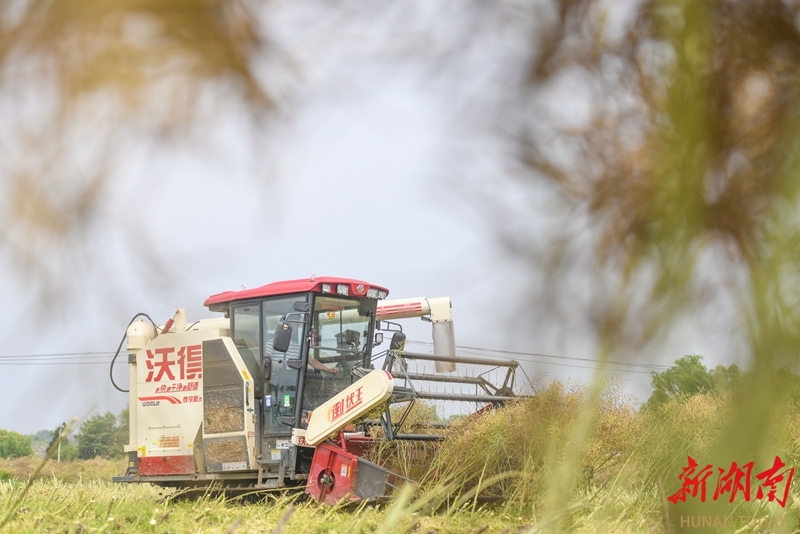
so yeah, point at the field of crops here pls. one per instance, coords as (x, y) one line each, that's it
(551, 463)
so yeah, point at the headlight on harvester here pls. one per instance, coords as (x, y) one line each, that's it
(326, 288)
(343, 289)
(372, 293)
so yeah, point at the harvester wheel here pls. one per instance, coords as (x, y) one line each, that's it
(326, 481)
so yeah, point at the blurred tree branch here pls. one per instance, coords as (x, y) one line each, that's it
(685, 143)
(134, 50)
(83, 81)
(678, 153)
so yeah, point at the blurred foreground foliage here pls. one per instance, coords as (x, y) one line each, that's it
(678, 159)
(85, 84)
(678, 154)
(91, 505)
(628, 464)
(683, 160)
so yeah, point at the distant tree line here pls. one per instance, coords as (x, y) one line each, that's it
(102, 435)
(688, 376)
(14, 444)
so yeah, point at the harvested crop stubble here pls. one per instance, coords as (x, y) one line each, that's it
(223, 411)
(225, 451)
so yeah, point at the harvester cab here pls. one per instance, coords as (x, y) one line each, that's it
(265, 396)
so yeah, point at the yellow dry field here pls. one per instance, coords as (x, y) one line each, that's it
(514, 470)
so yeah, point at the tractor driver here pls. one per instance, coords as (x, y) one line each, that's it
(323, 382)
(319, 366)
(314, 362)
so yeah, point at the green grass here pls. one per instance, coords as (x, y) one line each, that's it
(99, 506)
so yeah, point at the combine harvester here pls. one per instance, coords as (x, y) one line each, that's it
(267, 395)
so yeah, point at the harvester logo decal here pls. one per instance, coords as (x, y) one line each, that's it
(174, 375)
(178, 386)
(347, 404)
(186, 363)
(155, 400)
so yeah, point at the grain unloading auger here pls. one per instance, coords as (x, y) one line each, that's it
(267, 396)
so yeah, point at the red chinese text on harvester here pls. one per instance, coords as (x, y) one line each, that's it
(347, 404)
(174, 363)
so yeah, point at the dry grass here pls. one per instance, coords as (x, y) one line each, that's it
(412, 459)
(513, 454)
(94, 506)
(623, 471)
(75, 471)
(527, 439)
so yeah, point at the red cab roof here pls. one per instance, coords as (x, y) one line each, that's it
(288, 287)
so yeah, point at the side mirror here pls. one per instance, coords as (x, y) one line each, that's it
(398, 341)
(378, 338)
(283, 336)
(267, 372)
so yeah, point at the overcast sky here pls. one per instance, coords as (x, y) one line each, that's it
(365, 178)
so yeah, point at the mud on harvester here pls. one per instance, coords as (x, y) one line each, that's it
(280, 390)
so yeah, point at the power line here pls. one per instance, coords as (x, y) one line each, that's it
(540, 355)
(62, 359)
(54, 363)
(57, 358)
(58, 355)
(592, 368)
(85, 358)
(574, 366)
(592, 360)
